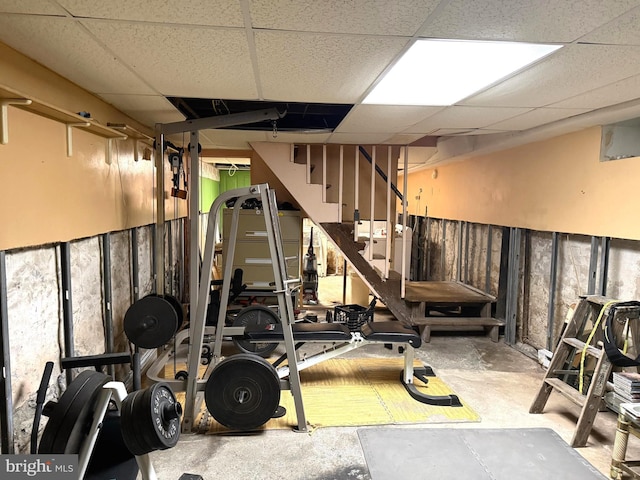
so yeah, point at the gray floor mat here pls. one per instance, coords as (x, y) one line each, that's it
(483, 454)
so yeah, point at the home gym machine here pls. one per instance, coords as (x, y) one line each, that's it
(242, 391)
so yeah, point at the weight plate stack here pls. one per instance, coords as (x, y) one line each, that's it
(243, 392)
(150, 419)
(70, 418)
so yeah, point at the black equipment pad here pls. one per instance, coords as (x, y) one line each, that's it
(302, 332)
(390, 332)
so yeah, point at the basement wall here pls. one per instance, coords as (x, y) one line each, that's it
(554, 185)
(558, 185)
(50, 198)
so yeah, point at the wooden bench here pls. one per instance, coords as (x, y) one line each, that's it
(427, 324)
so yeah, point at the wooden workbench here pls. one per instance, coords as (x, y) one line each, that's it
(441, 305)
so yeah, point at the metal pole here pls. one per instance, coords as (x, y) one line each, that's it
(459, 259)
(427, 245)
(135, 280)
(6, 399)
(181, 257)
(169, 227)
(466, 253)
(108, 314)
(372, 202)
(154, 252)
(442, 251)
(405, 169)
(512, 286)
(67, 305)
(552, 290)
(487, 277)
(593, 266)
(194, 224)
(604, 265)
(158, 244)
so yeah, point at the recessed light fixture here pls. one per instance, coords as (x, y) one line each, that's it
(443, 72)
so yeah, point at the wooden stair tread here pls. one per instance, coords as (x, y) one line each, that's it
(454, 321)
(567, 390)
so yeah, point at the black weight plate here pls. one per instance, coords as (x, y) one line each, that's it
(71, 417)
(255, 315)
(150, 322)
(175, 303)
(243, 392)
(165, 416)
(151, 419)
(130, 426)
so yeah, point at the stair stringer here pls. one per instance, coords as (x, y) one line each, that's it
(293, 176)
(388, 291)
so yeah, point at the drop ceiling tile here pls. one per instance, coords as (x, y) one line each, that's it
(233, 139)
(460, 117)
(521, 20)
(360, 138)
(537, 117)
(488, 131)
(378, 17)
(35, 7)
(147, 109)
(321, 68)
(572, 70)
(225, 13)
(404, 139)
(299, 137)
(383, 118)
(453, 131)
(615, 93)
(183, 61)
(63, 46)
(621, 31)
(417, 155)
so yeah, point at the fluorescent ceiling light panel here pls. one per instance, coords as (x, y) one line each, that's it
(443, 72)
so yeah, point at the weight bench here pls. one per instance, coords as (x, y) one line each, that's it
(344, 340)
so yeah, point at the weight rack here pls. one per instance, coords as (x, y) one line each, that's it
(283, 289)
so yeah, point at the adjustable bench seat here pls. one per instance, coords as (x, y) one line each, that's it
(302, 332)
(390, 332)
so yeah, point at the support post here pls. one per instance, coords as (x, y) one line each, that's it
(67, 305)
(108, 314)
(604, 265)
(553, 274)
(6, 399)
(512, 286)
(487, 277)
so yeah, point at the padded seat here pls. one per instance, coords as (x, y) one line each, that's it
(302, 332)
(390, 332)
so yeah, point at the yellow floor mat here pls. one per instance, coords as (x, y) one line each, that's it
(357, 392)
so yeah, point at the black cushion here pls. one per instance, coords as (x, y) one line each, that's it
(390, 332)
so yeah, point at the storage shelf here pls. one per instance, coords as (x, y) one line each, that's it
(130, 131)
(15, 98)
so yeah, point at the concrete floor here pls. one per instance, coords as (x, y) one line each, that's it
(497, 381)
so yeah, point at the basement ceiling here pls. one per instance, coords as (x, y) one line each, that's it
(139, 55)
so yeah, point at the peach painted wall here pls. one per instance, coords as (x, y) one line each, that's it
(48, 197)
(554, 185)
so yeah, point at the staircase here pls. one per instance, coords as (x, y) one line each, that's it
(328, 203)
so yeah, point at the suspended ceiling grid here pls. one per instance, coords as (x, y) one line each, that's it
(135, 54)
